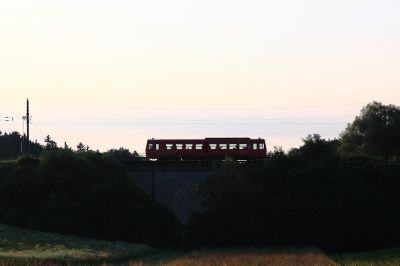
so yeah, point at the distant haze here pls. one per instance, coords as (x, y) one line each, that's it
(114, 73)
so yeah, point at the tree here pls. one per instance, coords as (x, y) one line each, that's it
(374, 133)
(10, 146)
(50, 144)
(122, 154)
(278, 152)
(305, 199)
(81, 147)
(66, 147)
(315, 147)
(84, 194)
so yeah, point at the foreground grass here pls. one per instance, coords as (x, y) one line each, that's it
(28, 247)
(23, 247)
(240, 256)
(7, 162)
(386, 257)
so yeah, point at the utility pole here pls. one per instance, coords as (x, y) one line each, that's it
(27, 126)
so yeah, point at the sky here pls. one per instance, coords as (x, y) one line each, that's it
(115, 73)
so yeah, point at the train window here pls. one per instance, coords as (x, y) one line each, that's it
(157, 146)
(232, 146)
(261, 145)
(150, 146)
(169, 146)
(188, 146)
(213, 146)
(199, 146)
(242, 146)
(179, 146)
(254, 146)
(223, 146)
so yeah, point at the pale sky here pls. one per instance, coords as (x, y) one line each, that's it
(114, 73)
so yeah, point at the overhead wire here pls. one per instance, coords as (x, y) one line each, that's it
(6, 118)
(195, 123)
(86, 120)
(38, 128)
(165, 108)
(186, 119)
(172, 121)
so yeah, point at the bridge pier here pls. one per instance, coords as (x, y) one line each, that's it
(153, 185)
(177, 190)
(173, 183)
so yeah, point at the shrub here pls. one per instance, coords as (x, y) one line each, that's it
(83, 194)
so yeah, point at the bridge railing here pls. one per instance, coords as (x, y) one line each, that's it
(167, 165)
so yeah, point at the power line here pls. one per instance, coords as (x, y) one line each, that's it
(196, 123)
(207, 109)
(163, 121)
(84, 118)
(236, 109)
(6, 118)
(37, 127)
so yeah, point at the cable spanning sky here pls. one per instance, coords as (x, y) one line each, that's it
(114, 73)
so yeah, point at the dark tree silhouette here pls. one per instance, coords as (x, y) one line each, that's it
(81, 147)
(122, 154)
(310, 197)
(10, 146)
(315, 147)
(50, 144)
(84, 194)
(374, 133)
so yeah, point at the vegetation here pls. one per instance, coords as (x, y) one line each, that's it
(374, 133)
(239, 256)
(122, 154)
(340, 195)
(84, 194)
(10, 146)
(371, 258)
(334, 194)
(22, 247)
(27, 247)
(309, 197)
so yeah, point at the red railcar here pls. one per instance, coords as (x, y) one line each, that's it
(206, 149)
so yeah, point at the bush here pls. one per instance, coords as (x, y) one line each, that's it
(83, 194)
(301, 199)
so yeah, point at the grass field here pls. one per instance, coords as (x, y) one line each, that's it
(28, 247)
(240, 256)
(22, 247)
(373, 258)
(7, 163)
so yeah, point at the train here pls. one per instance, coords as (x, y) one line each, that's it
(206, 149)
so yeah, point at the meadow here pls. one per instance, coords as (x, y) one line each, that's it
(240, 256)
(386, 257)
(29, 247)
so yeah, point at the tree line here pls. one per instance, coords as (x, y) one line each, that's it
(82, 193)
(11, 146)
(339, 194)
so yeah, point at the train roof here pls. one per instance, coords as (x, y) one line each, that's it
(209, 139)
